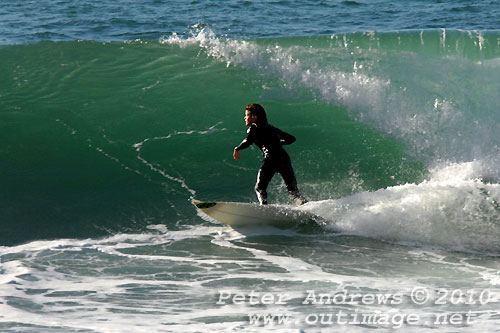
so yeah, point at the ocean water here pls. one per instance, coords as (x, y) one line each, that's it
(114, 115)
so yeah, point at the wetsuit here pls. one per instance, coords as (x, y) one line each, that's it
(270, 140)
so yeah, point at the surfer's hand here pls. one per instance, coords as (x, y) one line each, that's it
(237, 154)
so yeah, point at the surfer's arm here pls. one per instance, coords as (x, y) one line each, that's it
(247, 142)
(243, 145)
(285, 138)
(236, 154)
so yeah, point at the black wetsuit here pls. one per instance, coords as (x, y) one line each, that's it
(270, 140)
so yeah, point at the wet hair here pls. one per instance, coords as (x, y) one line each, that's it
(257, 110)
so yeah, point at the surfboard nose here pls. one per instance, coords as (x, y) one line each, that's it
(203, 204)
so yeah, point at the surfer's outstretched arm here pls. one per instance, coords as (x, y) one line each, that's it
(247, 142)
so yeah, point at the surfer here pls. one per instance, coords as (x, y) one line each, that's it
(270, 140)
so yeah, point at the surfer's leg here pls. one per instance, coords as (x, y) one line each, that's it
(266, 173)
(291, 184)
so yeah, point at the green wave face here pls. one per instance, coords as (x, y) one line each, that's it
(99, 137)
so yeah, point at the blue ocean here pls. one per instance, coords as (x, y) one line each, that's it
(115, 115)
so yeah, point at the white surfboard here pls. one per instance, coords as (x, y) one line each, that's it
(239, 213)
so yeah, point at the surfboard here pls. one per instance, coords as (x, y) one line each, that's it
(240, 213)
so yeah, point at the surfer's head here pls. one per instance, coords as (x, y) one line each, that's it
(254, 113)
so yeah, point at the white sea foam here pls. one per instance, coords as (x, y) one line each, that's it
(158, 281)
(453, 210)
